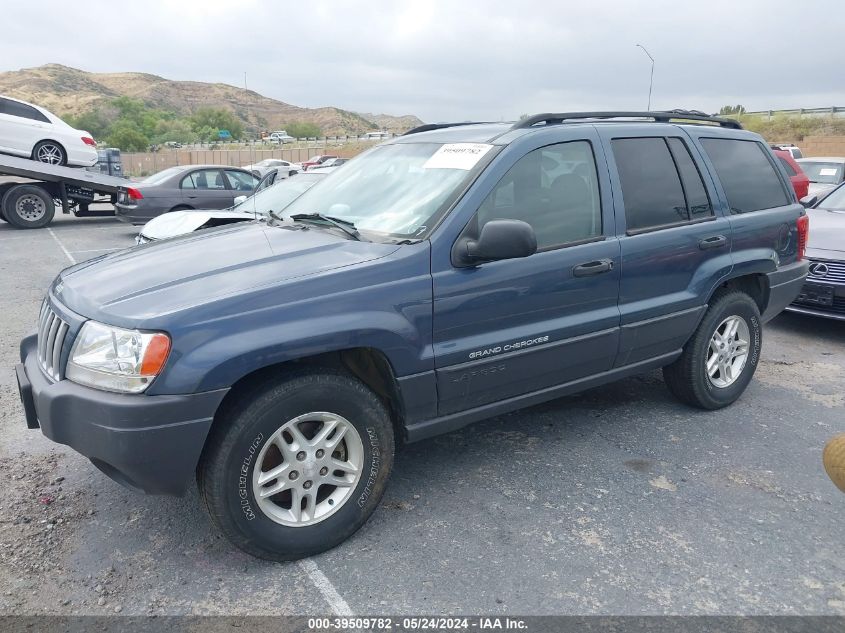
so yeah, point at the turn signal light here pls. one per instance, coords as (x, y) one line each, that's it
(155, 355)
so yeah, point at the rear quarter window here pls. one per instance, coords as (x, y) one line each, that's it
(747, 175)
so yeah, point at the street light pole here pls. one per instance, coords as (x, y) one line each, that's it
(651, 80)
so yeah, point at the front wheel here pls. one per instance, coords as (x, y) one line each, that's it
(295, 466)
(719, 360)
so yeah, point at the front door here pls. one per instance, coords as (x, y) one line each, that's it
(511, 327)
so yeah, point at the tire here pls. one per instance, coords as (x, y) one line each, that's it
(246, 438)
(688, 377)
(28, 207)
(49, 152)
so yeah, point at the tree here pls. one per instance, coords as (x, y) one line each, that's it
(94, 122)
(128, 138)
(178, 130)
(300, 129)
(217, 119)
(732, 109)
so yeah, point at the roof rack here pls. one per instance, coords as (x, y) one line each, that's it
(663, 116)
(439, 126)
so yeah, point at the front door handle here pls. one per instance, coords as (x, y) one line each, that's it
(716, 241)
(593, 268)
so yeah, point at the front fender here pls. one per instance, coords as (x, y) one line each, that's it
(222, 361)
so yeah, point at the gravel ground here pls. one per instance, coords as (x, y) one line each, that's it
(615, 501)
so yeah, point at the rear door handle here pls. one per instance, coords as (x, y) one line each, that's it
(593, 268)
(716, 241)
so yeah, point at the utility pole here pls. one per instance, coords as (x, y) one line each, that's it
(651, 80)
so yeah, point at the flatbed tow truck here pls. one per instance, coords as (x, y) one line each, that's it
(31, 192)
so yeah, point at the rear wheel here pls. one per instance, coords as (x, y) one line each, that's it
(719, 360)
(297, 465)
(49, 152)
(28, 207)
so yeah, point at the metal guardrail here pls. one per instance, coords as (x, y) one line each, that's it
(837, 111)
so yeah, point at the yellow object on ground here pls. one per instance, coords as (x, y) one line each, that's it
(833, 458)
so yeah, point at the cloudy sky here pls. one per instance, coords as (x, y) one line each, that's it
(456, 59)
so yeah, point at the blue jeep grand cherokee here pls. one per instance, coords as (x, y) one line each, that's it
(452, 274)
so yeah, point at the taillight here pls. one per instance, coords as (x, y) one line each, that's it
(803, 225)
(133, 193)
(89, 141)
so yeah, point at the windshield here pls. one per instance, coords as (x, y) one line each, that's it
(278, 196)
(827, 173)
(835, 201)
(163, 175)
(399, 190)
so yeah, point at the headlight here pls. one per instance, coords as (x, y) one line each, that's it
(115, 359)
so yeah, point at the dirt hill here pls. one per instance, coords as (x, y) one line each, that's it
(65, 90)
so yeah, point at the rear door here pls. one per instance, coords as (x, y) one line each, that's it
(761, 203)
(674, 246)
(511, 327)
(206, 189)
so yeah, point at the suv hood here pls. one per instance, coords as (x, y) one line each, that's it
(827, 234)
(131, 286)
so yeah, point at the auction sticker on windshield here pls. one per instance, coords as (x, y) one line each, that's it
(457, 156)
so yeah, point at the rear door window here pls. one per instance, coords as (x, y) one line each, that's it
(651, 187)
(698, 201)
(748, 176)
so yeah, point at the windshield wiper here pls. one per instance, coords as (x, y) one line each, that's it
(318, 218)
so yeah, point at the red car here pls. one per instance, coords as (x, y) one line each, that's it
(799, 179)
(316, 160)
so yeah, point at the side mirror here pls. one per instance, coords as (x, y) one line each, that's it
(809, 201)
(240, 199)
(499, 239)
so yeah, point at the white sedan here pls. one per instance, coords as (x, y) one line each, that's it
(32, 132)
(264, 166)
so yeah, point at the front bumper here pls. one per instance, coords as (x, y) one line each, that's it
(151, 443)
(784, 286)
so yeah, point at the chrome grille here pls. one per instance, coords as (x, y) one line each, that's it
(835, 271)
(52, 331)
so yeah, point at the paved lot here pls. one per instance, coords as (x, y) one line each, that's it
(616, 501)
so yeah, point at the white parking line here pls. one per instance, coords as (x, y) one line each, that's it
(335, 600)
(62, 246)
